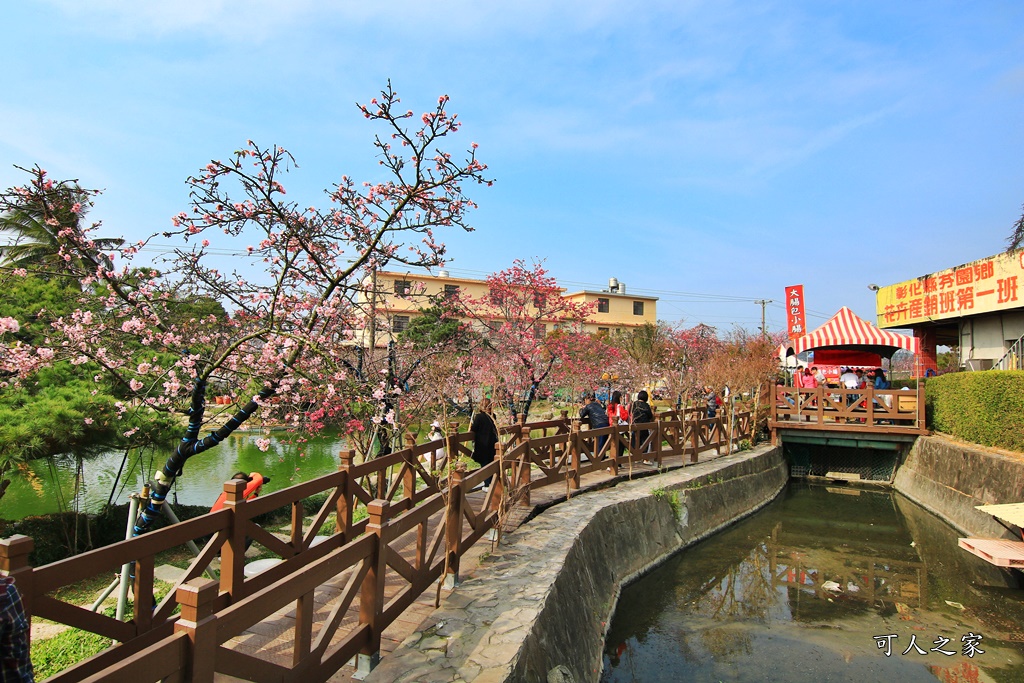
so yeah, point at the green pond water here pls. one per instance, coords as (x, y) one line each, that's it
(806, 589)
(43, 486)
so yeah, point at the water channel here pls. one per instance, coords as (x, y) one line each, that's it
(44, 486)
(807, 590)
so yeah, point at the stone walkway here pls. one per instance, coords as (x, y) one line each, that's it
(272, 638)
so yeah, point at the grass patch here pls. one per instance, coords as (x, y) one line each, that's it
(671, 497)
(53, 655)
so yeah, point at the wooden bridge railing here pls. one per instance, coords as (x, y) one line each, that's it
(419, 523)
(849, 409)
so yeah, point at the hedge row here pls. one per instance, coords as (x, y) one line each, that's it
(981, 407)
(62, 534)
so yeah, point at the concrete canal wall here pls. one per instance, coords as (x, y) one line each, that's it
(538, 607)
(949, 478)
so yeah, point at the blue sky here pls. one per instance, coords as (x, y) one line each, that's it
(687, 148)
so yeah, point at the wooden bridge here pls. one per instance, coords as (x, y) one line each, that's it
(875, 420)
(339, 584)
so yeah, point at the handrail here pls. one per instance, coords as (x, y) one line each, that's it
(867, 409)
(404, 502)
(1011, 360)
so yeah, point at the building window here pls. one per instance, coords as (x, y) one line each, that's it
(451, 291)
(403, 287)
(602, 305)
(540, 330)
(399, 323)
(638, 308)
(603, 330)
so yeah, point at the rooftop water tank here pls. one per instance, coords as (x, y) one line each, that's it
(613, 284)
(442, 273)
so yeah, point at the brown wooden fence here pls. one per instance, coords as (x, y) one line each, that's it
(851, 410)
(419, 523)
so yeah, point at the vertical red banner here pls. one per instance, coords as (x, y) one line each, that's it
(796, 320)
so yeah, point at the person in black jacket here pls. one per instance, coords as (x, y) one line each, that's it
(641, 414)
(595, 416)
(485, 435)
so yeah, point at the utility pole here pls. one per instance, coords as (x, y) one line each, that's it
(763, 302)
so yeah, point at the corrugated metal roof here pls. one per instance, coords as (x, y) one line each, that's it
(1012, 513)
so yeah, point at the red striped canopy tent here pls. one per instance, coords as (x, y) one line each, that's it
(846, 330)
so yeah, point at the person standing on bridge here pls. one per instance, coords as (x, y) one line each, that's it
(596, 417)
(485, 435)
(642, 414)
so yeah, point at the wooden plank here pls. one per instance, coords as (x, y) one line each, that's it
(159, 660)
(76, 569)
(997, 551)
(84, 619)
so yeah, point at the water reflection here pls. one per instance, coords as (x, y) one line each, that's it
(801, 590)
(66, 482)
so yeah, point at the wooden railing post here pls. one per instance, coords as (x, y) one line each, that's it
(773, 413)
(869, 406)
(232, 554)
(523, 483)
(695, 437)
(346, 501)
(453, 524)
(14, 552)
(304, 605)
(718, 432)
(497, 481)
(200, 623)
(573, 475)
(371, 598)
(820, 398)
(410, 443)
(732, 421)
(409, 474)
(657, 438)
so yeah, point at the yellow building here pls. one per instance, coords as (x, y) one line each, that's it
(394, 299)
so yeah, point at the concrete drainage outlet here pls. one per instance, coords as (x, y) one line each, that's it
(560, 674)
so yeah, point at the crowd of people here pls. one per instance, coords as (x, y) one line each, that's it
(850, 378)
(592, 414)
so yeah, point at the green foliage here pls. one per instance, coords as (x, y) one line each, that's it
(982, 407)
(49, 416)
(34, 300)
(62, 410)
(53, 655)
(434, 327)
(670, 496)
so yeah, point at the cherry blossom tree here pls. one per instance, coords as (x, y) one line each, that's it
(530, 331)
(288, 341)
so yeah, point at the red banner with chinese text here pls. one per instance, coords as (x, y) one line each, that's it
(796, 320)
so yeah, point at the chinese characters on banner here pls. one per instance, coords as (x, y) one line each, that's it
(983, 286)
(796, 321)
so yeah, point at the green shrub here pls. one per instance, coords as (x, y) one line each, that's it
(981, 407)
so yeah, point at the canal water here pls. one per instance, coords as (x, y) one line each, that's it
(809, 588)
(44, 486)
